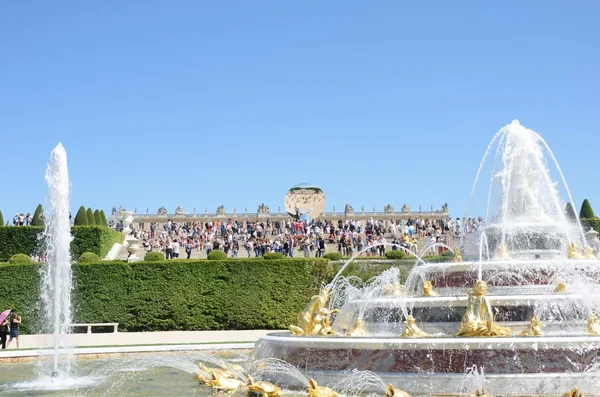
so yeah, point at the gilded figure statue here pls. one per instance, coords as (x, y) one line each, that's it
(593, 326)
(391, 391)
(533, 329)
(314, 390)
(503, 253)
(315, 319)
(561, 286)
(480, 392)
(428, 289)
(395, 289)
(225, 384)
(358, 329)
(574, 252)
(574, 393)
(588, 253)
(478, 319)
(411, 330)
(457, 255)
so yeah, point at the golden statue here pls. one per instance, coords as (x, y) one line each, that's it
(593, 326)
(263, 388)
(478, 319)
(314, 320)
(314, 390)
(358, 329)
(395, 289)
(457, 255)
(573, 252)
(411, 330)
(503, 253)
(428, 289)
(391, 391)
(574, 393)
(481, 393)
(226, 384)
(588, 253)
(533, 329)
(561, 286)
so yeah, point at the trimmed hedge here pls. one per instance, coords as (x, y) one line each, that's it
(176, 295)
(154, 256)
(89, 257)
(216, 255)
(273, 255)
(24, 240)
(397, 254)
(19, 259)
(333, 256)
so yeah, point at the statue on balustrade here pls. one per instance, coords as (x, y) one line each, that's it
(221, 210)
(179, 211)
(405, 208)
(348, 209)
(162, 211)
(388, 209)
(263, 209)
(445, 208)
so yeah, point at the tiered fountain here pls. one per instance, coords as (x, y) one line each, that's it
(520, 311)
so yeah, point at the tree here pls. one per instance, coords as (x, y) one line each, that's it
(1, 219)
(570, 212)
(103, 216)
(90, 217)
(38, 217)
(586, 211)
(97, 218)
(81, 217)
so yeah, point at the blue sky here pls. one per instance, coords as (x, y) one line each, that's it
(200, 104)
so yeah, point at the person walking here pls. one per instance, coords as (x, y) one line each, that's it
(15, 322)
(3, 332)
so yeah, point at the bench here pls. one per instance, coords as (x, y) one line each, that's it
(90, 325)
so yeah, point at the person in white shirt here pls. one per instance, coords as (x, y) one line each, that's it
(176, 247)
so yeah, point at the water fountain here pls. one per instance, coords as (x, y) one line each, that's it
(517, 316)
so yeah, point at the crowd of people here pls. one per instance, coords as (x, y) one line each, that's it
(21, 219)
(294, 237)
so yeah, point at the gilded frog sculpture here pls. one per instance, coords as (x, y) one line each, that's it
(561, 286)
(574, 393)
(391, 391)
(593, 326)
(411, 330)
(358, 329)
(315, 319)
(428, 289)
(263, 388)
(533, 329)
(573, 252)
(478, 319)
(205, 375)
(314, 390)
(503, 253)
(481, 393)
(395, 289)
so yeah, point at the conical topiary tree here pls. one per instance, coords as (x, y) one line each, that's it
(586, 211)
(570, 212)
(1, 219)
(90, 217)
(38, 217)
(103, 216)
(97, 218)
(81, 217)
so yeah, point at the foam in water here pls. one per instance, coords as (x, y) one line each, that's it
(56, 274)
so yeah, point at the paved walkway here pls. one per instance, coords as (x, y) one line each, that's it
(139, 341)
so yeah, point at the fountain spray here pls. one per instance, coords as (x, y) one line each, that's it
(56, 274)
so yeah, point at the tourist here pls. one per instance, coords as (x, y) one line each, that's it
(15, 322)
(169, 249)
(188, 248)
(175, 245)
(3, 332)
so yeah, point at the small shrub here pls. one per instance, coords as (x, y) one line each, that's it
(273, 255)
(448, 254)
(17, 259)
(398, 254)
(154, 256)
(217, 255)
(333, 256)
(89, 257)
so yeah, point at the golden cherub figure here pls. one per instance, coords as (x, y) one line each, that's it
(428, 289)
(457, 255)
(593, 326)
(533, 329)
(478, 319)
(411, 330)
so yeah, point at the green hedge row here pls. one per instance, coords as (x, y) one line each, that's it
(24, 240)
(176, 295)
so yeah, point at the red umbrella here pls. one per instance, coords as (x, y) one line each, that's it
(4, 314)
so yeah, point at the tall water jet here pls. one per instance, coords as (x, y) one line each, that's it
(56, 273)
